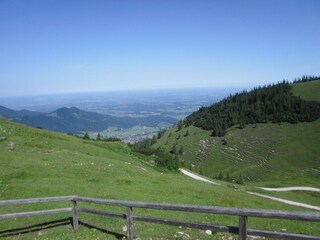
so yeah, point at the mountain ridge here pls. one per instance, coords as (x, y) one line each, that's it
(10, 113)
(75, 120)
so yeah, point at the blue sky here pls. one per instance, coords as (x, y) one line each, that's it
(57, 46)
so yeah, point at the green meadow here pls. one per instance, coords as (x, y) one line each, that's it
(47, 164)
(272, 155)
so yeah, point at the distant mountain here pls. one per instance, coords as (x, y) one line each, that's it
(10, 114)
(74, 120)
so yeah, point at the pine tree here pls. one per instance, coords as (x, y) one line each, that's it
(153, 140)
(228, 177)
(220, 176)
(174, 149)
(86, 136)
(181, 150)
(240, 179)
(180, 125)
(187, 133)
(98, 137)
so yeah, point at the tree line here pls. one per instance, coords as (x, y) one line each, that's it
(270, 103)
(100, 138)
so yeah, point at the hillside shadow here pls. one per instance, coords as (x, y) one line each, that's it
(116, 235)
(35, 227)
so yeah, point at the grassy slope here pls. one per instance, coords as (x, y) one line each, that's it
(307, 90)
(51, 164)
(266, 154)
(274, 155)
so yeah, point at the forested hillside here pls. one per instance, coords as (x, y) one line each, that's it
(268, 154)
(272, 103)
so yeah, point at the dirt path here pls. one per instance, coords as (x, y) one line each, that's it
(285, 189)
(286, 201)
(194, 176)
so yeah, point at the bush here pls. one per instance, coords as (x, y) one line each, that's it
(240, 180)
(162, 158)
(165, 159)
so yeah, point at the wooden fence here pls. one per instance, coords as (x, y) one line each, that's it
(242, 213)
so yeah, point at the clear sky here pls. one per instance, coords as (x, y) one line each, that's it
(54, 46)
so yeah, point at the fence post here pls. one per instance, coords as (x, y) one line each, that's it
(129, 223)
(75, 221)
(243, 227)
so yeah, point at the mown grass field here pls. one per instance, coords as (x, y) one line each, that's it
(47, 164)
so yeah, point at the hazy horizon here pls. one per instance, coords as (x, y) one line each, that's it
(143, 90)
(102, 99)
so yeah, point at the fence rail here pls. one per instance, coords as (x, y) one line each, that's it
(242, 213)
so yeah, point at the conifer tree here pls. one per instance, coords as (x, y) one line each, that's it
(180, 125)
(187, 133)
(220, 176)
(181, 150)
(86, 136)
(228, 177)
(174, 149)
(98, 137)
(240, 179)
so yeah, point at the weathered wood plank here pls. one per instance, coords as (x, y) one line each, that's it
(201, 226)
(243, 227)
(241, 212)
(103, 213)
(281, 235)
(75, 221)
(229, 229)
(292, 215)
(35, 213)
(129, 223)
(35, 200)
